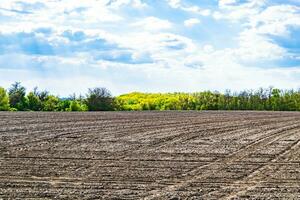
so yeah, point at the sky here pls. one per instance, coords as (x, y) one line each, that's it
(67, 46)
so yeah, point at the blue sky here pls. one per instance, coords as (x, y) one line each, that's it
(67, 46)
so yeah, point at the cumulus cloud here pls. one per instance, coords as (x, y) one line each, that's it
(235, 11)
(131, 45)
(276, 20)
(152, 24)
(191, 22)
(151, 77)
(133, 3)
(178, 4)
(208, 48)
(257, 48)
(260, 23)
(226, 2)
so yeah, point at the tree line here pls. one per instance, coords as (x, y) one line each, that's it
(16, 99)
(271, 99)
(101, 99)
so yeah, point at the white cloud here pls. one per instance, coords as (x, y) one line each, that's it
(60, 12)
(197, 10)
(226, 2)
(174, 3)
(117, 43)
(208, 48)
(217, 15)
(218, 74)
(164, 49)
(191, 22)
(254, 47)
(230, 9)
(133, 3)
(152, 24)
(276, 20)
(177, 4)
(259, 22)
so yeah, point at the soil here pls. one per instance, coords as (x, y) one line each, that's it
(150, 155)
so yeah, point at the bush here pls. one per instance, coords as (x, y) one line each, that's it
(51, 103)
(77, 106)
(34, 102)
(99, 99)
(4, 100)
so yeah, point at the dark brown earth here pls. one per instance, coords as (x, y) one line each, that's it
(150, 155)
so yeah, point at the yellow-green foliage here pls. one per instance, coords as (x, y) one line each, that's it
(77, 106)
(4, 100)
(155, 101)
(262, 99)
(51, 103)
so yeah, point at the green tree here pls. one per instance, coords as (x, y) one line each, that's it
(34, 102)
(77, 106)
(51, 103)
(17, 97)
(63, 105)
(99, 99)
(275, 99)
(4, 100)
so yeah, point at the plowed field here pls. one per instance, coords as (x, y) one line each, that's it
(150, 155)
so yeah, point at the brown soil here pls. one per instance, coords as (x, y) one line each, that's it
(150, 155)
